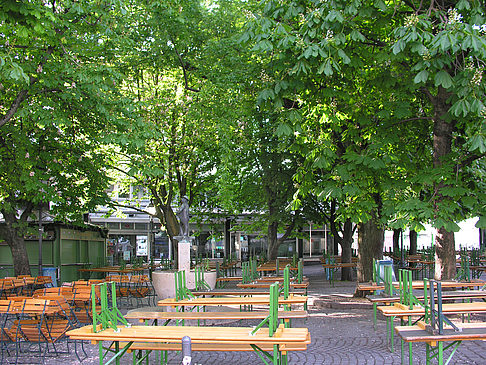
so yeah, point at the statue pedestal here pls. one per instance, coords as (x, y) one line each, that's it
(164, 281)
(184, 256)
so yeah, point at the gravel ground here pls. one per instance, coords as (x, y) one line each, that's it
(341, 329)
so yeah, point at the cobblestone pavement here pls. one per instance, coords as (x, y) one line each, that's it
(341, 330)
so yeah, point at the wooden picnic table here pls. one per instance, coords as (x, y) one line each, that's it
(202, 338)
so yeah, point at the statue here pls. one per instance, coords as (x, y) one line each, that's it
(183, 215)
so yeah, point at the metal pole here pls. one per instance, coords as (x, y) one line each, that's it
(186, 350)
(41, 230)
(310, 239)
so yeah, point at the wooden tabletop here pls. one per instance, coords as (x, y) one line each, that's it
(237, 335)
(267, 285)
(455, 294)
(339, 264)
(151, 315)
(417, 333)
(450, 308)
(419, 284)
(240, 292)
(115, 269)
(255, 300)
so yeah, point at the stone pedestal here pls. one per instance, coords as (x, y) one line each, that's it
(184, 256)
(164, 282)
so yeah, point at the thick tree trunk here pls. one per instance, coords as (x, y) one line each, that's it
(167, 216)
(347, 241)
(273, 242)
(413, 242)
(445, 258)
(370, 246)
(396, 241)
(445, 268)
(15, 240)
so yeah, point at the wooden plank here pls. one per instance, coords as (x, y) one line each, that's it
(238, 335)
(151, 315)
(240, 292)
(267, 285)
(420, 285)
(255, 300)
(470, 332)
(449, 308)
(208, 347)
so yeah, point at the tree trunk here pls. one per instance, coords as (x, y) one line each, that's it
(273, 242)
(15, 240)
(445, 258)
(445, 268)
(370, 246)
(346, 254)
(396, 241)
(167, 216)
(413, 242)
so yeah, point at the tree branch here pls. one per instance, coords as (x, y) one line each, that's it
(184, 71)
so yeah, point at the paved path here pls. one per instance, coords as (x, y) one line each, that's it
(341, 329)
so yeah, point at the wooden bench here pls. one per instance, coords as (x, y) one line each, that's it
(435, 342)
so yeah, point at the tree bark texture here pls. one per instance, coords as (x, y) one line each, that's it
(445, 268)
(15, 240)
(346, 252)
(445, 258)
(413, 242)
(370, 246)
(396, 241)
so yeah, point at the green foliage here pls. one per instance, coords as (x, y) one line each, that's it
(60, 105)
(367, 77)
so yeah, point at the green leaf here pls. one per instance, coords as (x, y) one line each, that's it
(443, 79)
(283, 129)
(481, 223)
(477, 142)
(325, 67)
(344, 56)
(460, 107)
(463, 5)
(422, 76)
(357, 36)
(399, 46)
(380, 4)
